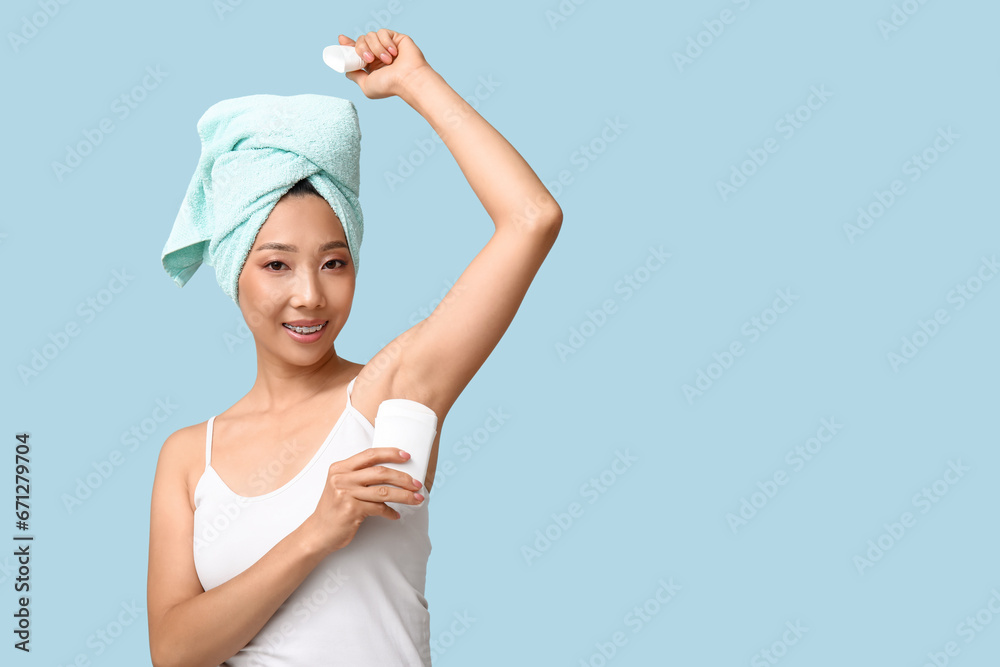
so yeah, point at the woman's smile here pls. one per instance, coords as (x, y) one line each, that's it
(306, 334)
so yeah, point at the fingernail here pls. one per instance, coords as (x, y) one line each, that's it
(385, 57)
(369, 57)
(392, 50)
(402, 453)
(418, 496)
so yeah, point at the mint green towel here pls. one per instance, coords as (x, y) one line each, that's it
(253, 150)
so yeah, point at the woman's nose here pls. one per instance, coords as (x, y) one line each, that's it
(308, 290)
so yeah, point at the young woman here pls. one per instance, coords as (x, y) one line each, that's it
(270, 545)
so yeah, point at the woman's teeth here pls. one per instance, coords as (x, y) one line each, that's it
(305, 330)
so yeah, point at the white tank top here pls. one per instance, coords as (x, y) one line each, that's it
(363, 605)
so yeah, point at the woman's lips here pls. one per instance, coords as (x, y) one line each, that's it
(306, 323)
(305, 337)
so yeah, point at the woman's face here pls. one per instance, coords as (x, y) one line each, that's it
(299, 270)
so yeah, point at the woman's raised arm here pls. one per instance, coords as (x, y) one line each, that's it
(436, 359)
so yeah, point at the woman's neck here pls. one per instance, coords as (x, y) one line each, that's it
(281, 387)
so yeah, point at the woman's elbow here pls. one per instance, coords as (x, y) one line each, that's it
(540, 223)
(557, 214)
(550, 216)
(546, 222)
(549, 224)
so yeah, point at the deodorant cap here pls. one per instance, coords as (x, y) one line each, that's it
(343, 58)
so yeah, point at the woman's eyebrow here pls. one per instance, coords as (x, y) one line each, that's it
(274, 245)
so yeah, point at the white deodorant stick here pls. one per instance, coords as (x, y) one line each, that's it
(410, 426)
(343, 58)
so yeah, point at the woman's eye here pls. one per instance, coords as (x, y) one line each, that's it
(275, 265)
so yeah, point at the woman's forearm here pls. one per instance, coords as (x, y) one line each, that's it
(508, 188)
(213, 626)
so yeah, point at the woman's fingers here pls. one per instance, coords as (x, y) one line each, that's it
(387, 45)
(383, 475)
(364, 49)
(379, 49)
(379, 493)
(382, 484)
(377, 46)
(376, 483)
(372, 457)
(381, 509)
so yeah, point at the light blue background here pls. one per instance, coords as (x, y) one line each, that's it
(665, 516)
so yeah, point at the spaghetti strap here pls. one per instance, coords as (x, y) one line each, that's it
(208, 443)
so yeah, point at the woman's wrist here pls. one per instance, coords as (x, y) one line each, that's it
(310, 540)
(415, 82)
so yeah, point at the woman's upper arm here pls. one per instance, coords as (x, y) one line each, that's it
(441, 354)
(172, 578)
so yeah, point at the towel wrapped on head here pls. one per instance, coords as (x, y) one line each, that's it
(253, 150)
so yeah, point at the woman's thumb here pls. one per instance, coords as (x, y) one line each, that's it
(358, 76)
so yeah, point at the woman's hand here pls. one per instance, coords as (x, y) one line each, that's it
(391, 58)
(351, 495)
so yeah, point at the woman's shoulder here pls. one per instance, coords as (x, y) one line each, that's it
(185, 438)
(180, 443)
(182, 455)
